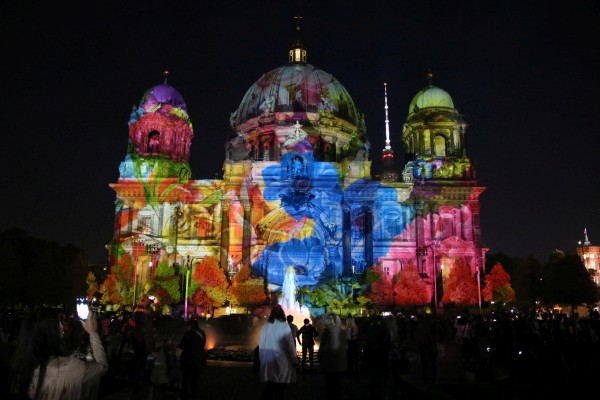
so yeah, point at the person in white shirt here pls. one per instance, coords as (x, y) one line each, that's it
(277, 355)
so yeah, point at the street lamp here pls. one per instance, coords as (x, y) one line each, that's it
(479, 287)
(187, 265)
(435, 276)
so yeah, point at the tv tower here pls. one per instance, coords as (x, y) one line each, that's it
(389, 172)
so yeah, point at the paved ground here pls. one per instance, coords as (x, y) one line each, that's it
(234, 380)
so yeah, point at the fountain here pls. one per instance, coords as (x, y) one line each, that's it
(288, 298)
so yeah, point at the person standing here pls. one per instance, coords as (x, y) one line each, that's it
(42, 368)
(293, 327)
(308, 333)
(192, 360)
(142, 339)
(277, 355)
(333, 361)
(352, 335)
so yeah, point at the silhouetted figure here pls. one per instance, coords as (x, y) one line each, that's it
(192, 360)
(293, 327)
(306, 335)
(333, 360)
(142, 340)
(352, 336)
(376, 354)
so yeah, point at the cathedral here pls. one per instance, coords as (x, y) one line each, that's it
(297, 189)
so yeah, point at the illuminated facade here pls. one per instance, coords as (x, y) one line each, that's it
(297, 188)
(590, 255)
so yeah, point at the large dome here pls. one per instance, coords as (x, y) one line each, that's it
(430, 97)
(295, 89)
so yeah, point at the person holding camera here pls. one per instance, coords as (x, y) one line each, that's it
(42, 367)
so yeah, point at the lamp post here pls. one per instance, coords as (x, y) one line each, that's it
(435, 275)
(479, 287)
(187, 287)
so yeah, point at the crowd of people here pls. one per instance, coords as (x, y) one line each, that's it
(47, 354)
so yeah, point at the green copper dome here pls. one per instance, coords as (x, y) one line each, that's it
(430, 97)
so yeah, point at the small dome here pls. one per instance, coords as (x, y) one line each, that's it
(163, 94)
(296, 88)
(430, 97)
(162, 99)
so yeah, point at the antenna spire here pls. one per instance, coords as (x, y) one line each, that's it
(586, 241)
(166, 74)
(387, 121)
(388, 173)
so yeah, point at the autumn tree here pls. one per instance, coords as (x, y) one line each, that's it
(460, 287)
(209, 284)
(409, 289)
(497, 286)
(246, 290)
(117, 287)
(380, 291)
(93, 286)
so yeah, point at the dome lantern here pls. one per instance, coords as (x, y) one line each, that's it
(297, 52)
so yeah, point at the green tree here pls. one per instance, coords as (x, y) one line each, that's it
(167, 283)
(566, 281)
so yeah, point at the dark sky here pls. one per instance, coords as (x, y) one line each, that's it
(526, 75)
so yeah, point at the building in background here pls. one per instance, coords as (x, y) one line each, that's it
(297, 189)
(590, 255)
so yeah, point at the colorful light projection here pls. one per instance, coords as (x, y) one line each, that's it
(295, 196)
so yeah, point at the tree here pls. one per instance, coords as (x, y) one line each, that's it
(246, 290)
(92, 283)
(210, 284)
(409, 288)
(460, 287)
(566, 281)
(497, 286)
(37, 271)
(117, 287)
(167, 283)
(380, 291)
(337, 296)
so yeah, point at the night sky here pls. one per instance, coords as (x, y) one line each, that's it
(525, 74)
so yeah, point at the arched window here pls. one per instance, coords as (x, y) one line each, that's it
(153, 142)
(439, 143)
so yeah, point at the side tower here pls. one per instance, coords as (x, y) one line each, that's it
(153, 186)
(445, 193)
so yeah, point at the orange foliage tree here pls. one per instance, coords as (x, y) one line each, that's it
(246, 290)
(497, 285)
(380, 292)
(117, 287)
(409, 288)
(93, 286)
(460, 286)
(209, 284)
